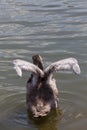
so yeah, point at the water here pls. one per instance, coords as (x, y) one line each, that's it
(55, 30)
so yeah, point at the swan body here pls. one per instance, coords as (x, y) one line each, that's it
(42, 92)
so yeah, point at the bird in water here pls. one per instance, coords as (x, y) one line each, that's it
(42, 92)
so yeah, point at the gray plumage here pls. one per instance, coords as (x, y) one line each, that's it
(42, 92)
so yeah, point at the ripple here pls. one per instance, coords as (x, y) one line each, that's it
(21, 117)
(55, 29)
(73, 107)
(9, 102)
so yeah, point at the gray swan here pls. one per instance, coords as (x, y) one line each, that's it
(42, 92)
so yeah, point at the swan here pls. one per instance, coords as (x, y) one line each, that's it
(42, 92)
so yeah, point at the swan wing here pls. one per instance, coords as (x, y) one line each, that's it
(65, 64)
(20, 65)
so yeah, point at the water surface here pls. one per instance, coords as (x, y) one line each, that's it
(55, 30)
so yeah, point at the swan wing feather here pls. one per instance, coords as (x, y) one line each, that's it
(20, 65)
(65, 64)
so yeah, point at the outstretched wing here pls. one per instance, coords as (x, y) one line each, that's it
(20, 65)
(65, 64)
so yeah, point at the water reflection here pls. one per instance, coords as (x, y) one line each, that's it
(45, 123)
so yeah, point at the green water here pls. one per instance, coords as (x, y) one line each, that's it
(55, 30)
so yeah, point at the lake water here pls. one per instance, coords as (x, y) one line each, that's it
(55, 29)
